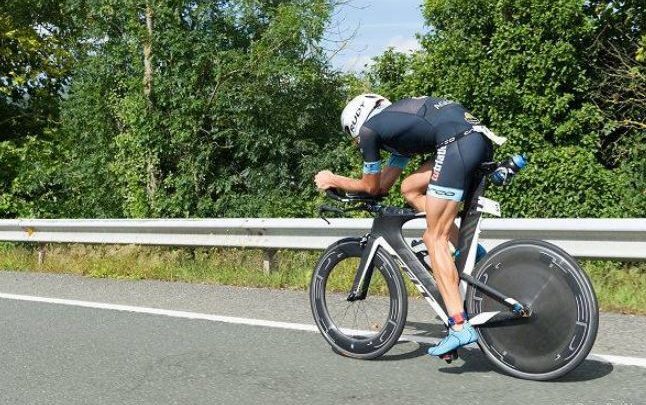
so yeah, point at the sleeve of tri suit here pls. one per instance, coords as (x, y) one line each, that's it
(398, 161)
(369, 145)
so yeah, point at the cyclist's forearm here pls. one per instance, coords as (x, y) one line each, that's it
(389, 176)
(369, 183)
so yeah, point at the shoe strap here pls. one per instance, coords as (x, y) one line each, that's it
(458, 319)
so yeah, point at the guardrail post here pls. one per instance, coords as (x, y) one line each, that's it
(269, 263)
(41, 254)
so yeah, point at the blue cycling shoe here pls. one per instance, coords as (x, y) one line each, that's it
(454, 340)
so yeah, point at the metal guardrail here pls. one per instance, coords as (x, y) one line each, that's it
(585, 238)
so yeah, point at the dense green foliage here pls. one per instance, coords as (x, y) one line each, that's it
(198, 108)
(35, 64)
(240, 109)
(537, 72)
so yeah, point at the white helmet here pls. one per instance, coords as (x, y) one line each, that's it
(357, 112)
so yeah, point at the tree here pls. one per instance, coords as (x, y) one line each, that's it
(619, 90)
(527, 69)
(35, 63)
(197, 108)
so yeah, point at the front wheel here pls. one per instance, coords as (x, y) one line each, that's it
(363, 329)
(563, 324)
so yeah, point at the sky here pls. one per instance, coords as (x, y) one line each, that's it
(376, 25)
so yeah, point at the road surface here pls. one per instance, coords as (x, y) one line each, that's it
(74, 340)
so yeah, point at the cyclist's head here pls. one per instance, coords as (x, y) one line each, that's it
(357, 112)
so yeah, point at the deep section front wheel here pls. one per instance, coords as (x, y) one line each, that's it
(366, 328)
(562, 327)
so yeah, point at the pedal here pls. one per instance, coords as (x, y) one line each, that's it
(450, 356)
(418, 246)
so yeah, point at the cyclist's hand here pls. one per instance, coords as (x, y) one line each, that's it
(324, 179)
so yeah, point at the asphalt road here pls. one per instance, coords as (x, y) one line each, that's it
(62, 354)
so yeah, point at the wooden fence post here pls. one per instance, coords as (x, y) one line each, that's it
(269, 262)
(41, 254)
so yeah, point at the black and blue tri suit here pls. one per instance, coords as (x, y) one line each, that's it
(424, 125)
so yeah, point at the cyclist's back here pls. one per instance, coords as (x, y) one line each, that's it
(414, 125)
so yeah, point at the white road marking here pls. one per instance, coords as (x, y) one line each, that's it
(619, 360)
(164, 312)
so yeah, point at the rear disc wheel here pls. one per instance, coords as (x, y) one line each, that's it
(562, 328)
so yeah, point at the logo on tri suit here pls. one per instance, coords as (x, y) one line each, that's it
(442, 192)
(468, 117)
(439, 161)
(443, 103)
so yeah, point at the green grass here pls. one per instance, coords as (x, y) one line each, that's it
(238, 267)
(620, 287)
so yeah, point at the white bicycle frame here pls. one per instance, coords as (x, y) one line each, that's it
(484, 205)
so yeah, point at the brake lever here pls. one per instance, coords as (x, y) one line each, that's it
(321, 211)
(327, 208)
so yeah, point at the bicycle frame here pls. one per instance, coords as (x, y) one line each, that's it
(386, 233)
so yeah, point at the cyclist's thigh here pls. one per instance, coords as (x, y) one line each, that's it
(454, 166)
(440, 215)
(419, 179)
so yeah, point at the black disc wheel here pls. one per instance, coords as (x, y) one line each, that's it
(562, 327)
(366, 328)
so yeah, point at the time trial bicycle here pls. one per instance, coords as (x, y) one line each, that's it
(534, 308)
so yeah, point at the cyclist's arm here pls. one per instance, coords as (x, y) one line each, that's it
(388, 177)
(368, 183)
(391, 173)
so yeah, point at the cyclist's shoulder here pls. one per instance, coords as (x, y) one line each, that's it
(368, 136)
(397, 114)
(421, 106)
(409, 105)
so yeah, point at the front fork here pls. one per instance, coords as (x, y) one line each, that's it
(362, 278)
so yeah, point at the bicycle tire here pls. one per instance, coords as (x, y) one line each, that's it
(560, 333)
(353, 343)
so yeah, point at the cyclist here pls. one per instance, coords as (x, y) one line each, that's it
(409, 127)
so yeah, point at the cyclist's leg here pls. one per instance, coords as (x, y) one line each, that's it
(440, 213)
(454, 166)
(440, 216)
(413, 188)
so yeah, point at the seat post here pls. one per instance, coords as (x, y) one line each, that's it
(469, 219)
